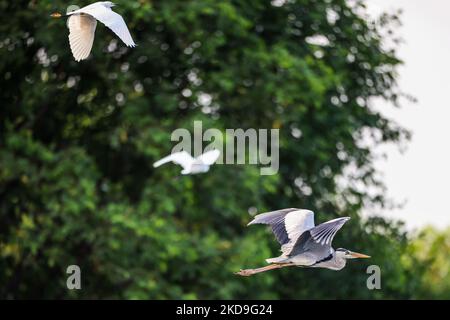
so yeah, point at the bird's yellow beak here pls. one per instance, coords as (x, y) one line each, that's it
(56, 15)
(359, 255)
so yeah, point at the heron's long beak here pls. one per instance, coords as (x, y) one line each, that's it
(56, 15)
(359, 255)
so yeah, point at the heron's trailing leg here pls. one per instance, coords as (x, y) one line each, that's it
(249, 272)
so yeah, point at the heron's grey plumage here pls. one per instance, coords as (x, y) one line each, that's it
(325, 232)
(276, 220)
(302, 243)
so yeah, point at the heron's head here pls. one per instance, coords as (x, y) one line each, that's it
(347, 254)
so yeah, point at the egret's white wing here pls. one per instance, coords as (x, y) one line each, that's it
(81, 35)
(325, 232)
(182, 158)
(287, 224)
(209, 157)
(111, 19)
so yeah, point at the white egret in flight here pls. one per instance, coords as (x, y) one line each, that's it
(82, 24)
(190, 164)
(302, 243)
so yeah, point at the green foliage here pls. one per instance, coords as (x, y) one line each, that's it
(432, 248)
(77, 143)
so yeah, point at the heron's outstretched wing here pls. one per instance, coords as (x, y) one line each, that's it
(182, 158)
(317, 239)
(209, 157)
(325, 232)
(287, 224)
(111, 19)
(81, 35)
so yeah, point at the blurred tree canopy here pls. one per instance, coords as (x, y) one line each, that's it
(77, 143)
(432, 248)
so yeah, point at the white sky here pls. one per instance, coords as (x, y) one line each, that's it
(421, 176)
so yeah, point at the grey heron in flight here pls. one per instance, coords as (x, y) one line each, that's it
(302, 243)
(190, 164)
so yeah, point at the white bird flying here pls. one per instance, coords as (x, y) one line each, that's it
(82, 24)
(302, 243)
(190, 164)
